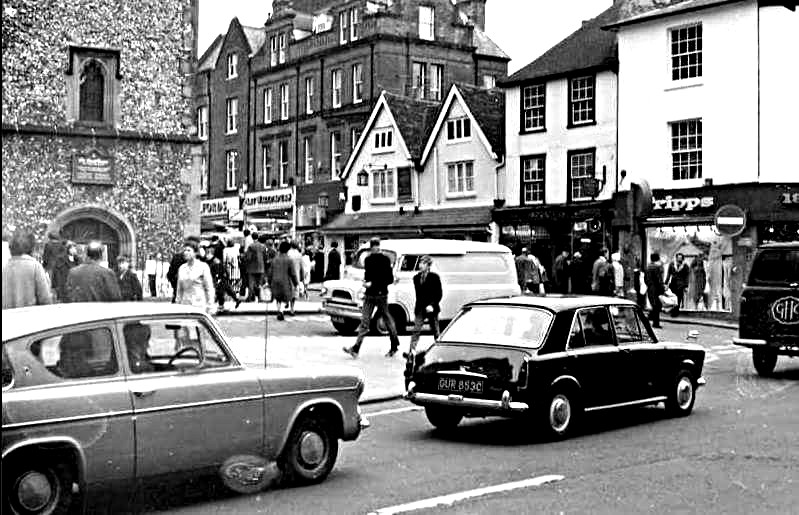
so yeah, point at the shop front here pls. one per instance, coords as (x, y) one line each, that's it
(216, 214)
(317, 204)
(717, 230)
(269, 211)
(546, 230)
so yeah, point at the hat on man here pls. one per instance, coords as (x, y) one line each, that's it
(374, 242)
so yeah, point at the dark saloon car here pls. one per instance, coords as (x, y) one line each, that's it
(550, 359)
(769, 319)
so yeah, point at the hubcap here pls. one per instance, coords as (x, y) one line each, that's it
(685, 392)
(560, 413)
(34, 491)
(312, 448)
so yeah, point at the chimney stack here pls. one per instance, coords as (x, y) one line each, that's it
(475, 10)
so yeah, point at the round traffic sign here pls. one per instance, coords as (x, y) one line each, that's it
(730, 220)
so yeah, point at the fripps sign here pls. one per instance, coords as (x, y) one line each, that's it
(677, 204)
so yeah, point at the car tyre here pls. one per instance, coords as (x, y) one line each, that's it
(443, 418)
(682, 394)
(35, 486)
(310, 453)
(561, 413)
(346, 328)
(764, 360)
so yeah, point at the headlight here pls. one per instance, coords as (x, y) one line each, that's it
(323, 291)
(361, 293)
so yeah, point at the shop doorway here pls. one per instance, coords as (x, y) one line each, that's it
(86, 230)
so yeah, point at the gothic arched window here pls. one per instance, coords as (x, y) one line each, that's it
(92, 92)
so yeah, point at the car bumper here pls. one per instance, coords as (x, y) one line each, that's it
(781, 347)
(459, 401)
(749, 342)
(341, 310)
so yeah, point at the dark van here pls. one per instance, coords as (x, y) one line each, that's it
(769, 318)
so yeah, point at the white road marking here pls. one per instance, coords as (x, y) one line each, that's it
(448, 500)
(728, 351)
(393, 411)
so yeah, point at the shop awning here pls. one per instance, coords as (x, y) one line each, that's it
(440, 220)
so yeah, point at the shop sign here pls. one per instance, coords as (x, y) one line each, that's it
(790, 199)
(281, 198)
(786, 310)
(524, 231)
(92, 167)
(681, 204)
(218, 207)
(730, 220)
(508, 230)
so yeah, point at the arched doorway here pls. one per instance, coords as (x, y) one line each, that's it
(84, 224)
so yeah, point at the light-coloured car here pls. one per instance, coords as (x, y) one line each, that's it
(100, 395)
(469, 271)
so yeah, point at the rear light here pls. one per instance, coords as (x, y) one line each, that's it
(524, 374)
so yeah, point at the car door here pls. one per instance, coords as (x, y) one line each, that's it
(638, 349)
(593, 357)
(68, 385)
(195, 406)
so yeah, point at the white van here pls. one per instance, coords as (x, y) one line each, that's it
(469, 270)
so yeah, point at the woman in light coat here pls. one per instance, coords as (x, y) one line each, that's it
(195, 285)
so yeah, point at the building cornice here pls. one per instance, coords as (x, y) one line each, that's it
(80, 131)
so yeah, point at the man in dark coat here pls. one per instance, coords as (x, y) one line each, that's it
(129, 284)
(654, 287)
(377, 277)
(221, 277)
(677, 281)
(175, 264)
(427, 285)
(318, 273)
(256, 267)
(56, 263)
(91, 282)
(560, 272)
(333, 263)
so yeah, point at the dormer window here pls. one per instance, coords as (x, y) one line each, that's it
(93, 86)
(459, 129)
(384, 139)
(232, 66)
(427, 22)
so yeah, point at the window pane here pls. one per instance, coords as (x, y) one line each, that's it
(596, 326)
(74, 355)
(499, 325)
(92, 92)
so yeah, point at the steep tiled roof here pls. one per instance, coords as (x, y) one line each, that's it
(255, 37)
(488, 108)
(634, 11)
(587, 47)
(208, 59)
(485, 46)
(415, 119)
(376, 222)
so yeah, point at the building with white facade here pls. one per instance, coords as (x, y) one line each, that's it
(560, 140)
(424, 169)
(703, 118)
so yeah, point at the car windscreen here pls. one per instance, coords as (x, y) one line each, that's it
(774, 267)
(360, 258)
(517, 326)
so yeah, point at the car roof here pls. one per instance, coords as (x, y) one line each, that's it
(23, 321)
(438, 246)
(781, 245)
(555, 302)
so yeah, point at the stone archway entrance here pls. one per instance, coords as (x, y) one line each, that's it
(83, 224)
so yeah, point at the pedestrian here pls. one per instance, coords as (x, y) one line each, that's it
(7, 233)
(333, 263)
(561, 272)
(91, 282)
(655, 287)
(25, 281)
(129, 284)
(283, 279)
(230, 259)
(319, 265)
(73, 259)
(677, 281)
(377, 277)
(306, 272)
(244, 282)
(248, 239)
(221, 280)
(217, 246)
(256, 266)
(150, 267)
(523, 269)
(603, 280)
(295, 256)
(195, 286)
(699, 276)
(535, 282)
(618, 274)
(427, 285)
(580, 275)
(54, 260)
(174, 265)
(639, 284)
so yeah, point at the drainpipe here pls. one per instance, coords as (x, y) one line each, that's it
(496, 177)
(435, 175)
(618, 85)
(297, 133)
(759, 121)
(251, 132)
(372, 74)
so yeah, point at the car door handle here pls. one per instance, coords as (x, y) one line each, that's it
(143, 393)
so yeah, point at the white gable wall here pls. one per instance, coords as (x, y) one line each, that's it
(558, 139)
(433, 180)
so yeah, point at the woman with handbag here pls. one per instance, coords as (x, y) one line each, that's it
(282, 279)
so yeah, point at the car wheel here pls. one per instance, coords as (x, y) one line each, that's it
(561, 413)
(33, 486)
(346, 328)
(682, 394)
(443, 418)
(310, 452)
(764, 360)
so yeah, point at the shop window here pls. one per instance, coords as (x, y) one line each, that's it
(708, 256)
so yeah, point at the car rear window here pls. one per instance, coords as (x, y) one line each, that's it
(500, 325)
(775, 266)
(360, 258)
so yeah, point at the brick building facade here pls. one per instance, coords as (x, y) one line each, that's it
(314, 80)
(97, 123)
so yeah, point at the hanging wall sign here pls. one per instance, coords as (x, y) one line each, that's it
(92, 166)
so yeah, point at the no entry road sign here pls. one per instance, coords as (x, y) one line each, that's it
(730, 220)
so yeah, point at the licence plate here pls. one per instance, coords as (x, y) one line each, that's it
(460, 385)
(338, 320)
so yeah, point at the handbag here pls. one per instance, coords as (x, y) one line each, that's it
(668, 299)
(266, 293)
